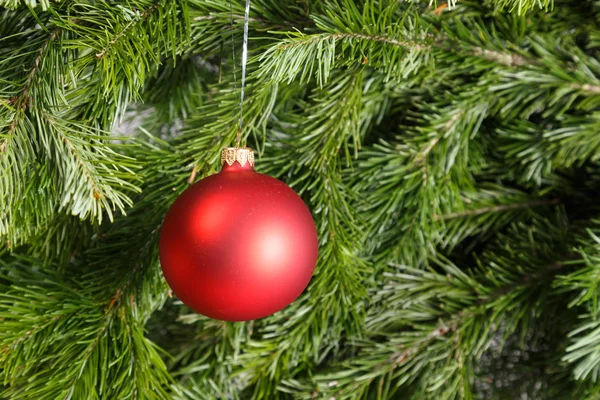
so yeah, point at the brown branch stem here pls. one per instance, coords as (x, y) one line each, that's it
(381, 39)
(510, 60)
(590, 89)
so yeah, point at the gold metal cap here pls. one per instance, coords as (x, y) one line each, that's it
(242, 155)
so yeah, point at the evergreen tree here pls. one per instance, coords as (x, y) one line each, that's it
(450, 154)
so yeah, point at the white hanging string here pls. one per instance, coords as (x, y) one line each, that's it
(244, 62)
(232, 45)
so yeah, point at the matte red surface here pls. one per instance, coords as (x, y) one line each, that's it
(238, 245)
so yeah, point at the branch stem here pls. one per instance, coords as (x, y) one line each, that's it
(500, 208)
(22, 101)
(123, 31)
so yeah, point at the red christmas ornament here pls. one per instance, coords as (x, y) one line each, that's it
(238, 245)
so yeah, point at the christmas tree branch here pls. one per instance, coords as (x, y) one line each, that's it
(96, 178)
(583, 286)
(499, 208)
(415, 134)
(430, 317)
(22, 102)
(142, 15)
(373, 38)
(81, 329)
(479, 225)
(568, 140)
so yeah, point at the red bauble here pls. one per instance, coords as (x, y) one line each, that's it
(238, 245)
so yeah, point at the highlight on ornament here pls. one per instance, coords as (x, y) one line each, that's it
(238, 245)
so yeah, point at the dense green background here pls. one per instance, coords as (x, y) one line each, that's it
(449, 154)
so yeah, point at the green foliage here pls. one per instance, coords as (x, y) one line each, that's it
(73, 344)
(64, 85)
(449, 154)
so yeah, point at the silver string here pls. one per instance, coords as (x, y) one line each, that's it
(233, 46)
(244, 61)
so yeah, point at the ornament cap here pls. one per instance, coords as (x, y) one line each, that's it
(243, 155)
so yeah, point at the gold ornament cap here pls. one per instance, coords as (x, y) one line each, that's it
(243, 155)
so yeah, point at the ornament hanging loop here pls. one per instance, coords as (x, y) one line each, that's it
(238, 138)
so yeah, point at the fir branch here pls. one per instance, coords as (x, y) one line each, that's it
(435, 316)
(239, 18)
(141, 16)
(583, 285)
(499, 208)
(522, 6)
(62, 326)
(22, 101)
(568, 140)
(406, 129)
(13, 4)
(96, 191)
(399, 51)
(480, 227)
(375, 38)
